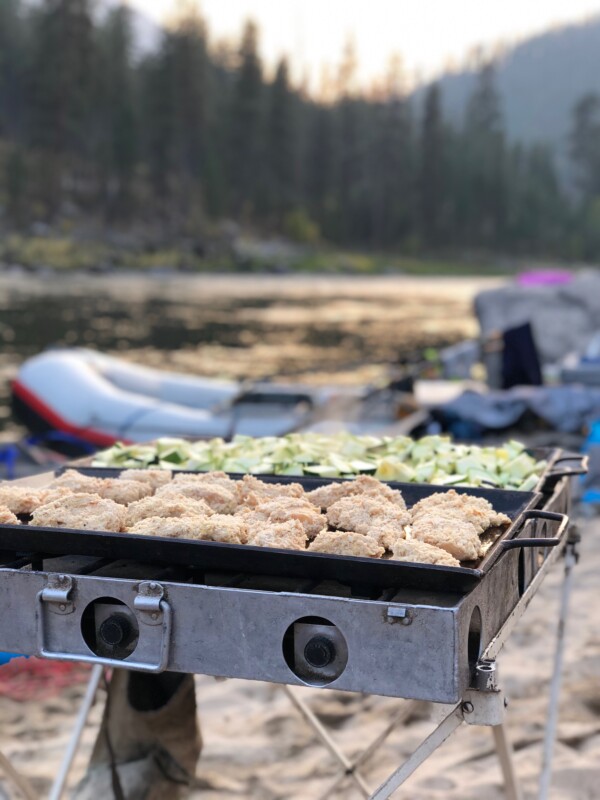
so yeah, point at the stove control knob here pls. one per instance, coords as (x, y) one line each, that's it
(319, 652)
(115, 631)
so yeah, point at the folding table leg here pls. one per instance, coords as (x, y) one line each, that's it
(328, 741)
(550, 736)
(505, 754)
(17, 779)
(397, 719)
(90, 693)
(446, 727)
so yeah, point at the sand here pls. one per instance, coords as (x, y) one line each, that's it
(256, 745)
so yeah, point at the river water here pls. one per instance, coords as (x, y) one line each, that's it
(320, 329)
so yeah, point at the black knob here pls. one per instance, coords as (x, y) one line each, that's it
(116, 630)
(319, 652)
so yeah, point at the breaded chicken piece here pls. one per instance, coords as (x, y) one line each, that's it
(479, 519)
(361, 513)
(288, 535)
(387, 535)
(74, 480)
(219, 478)
(422, 553)
(252, 491)
(366, 484)
(154, 477)
(25, 499)
(124, 492)
(457, 537)
(7, 517)
(282, 509)
(171, 506)
(476, 510)
(171, 528)
(221, 499)
(223, 528)
(218, 528)
(81, 512)
(117, 489)
(346, 543)
(326, 496)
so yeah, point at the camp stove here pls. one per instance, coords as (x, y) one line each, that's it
(397, 641)
(438, 643)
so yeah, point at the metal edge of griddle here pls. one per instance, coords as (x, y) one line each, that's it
(208, 556)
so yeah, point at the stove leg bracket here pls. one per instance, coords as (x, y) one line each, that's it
(480, 706)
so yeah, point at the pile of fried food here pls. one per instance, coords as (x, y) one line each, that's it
(361, 517)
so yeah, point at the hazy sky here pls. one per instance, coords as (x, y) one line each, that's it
(427, 33)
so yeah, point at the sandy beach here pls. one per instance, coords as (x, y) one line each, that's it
(256, 746)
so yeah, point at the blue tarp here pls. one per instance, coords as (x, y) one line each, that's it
(6, 657)
(566, 408)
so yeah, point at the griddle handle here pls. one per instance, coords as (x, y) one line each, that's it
(582, 469)
(551, 516)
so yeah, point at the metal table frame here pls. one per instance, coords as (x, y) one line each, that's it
(484, 704)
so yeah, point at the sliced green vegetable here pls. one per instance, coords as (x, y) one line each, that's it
(430, 459)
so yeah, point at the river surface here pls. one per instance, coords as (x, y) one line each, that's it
(320, 329)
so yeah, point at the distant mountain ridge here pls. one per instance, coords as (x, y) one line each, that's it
(540, 80)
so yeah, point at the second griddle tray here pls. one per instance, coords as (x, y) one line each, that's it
(214, 556)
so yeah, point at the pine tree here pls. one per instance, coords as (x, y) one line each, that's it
(484, 174)
(537, 210)
(585, 144)
(246, 156)
(16, 187)
(117, 117)
(13, 54)
(281, 141)
(188, 79)
(62, 97)
(391, 171)
(319, 168)
(350, 150)
(431, 171)
(156, 134)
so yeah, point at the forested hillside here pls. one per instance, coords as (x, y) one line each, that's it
(187, 134)
(539, 81)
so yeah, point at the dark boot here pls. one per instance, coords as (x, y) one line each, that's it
(149, 740)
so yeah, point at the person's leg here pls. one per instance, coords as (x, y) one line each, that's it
(149, 740)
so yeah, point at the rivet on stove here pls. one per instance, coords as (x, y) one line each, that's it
(62, 607)
(154, 615)
(467, 707)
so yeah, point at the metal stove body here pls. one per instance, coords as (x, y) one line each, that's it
(402, 643)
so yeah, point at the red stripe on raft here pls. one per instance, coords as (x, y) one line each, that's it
(55, 421)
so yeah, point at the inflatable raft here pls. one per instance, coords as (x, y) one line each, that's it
(100, 399)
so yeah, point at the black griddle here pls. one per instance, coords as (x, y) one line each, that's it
(206, 556)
